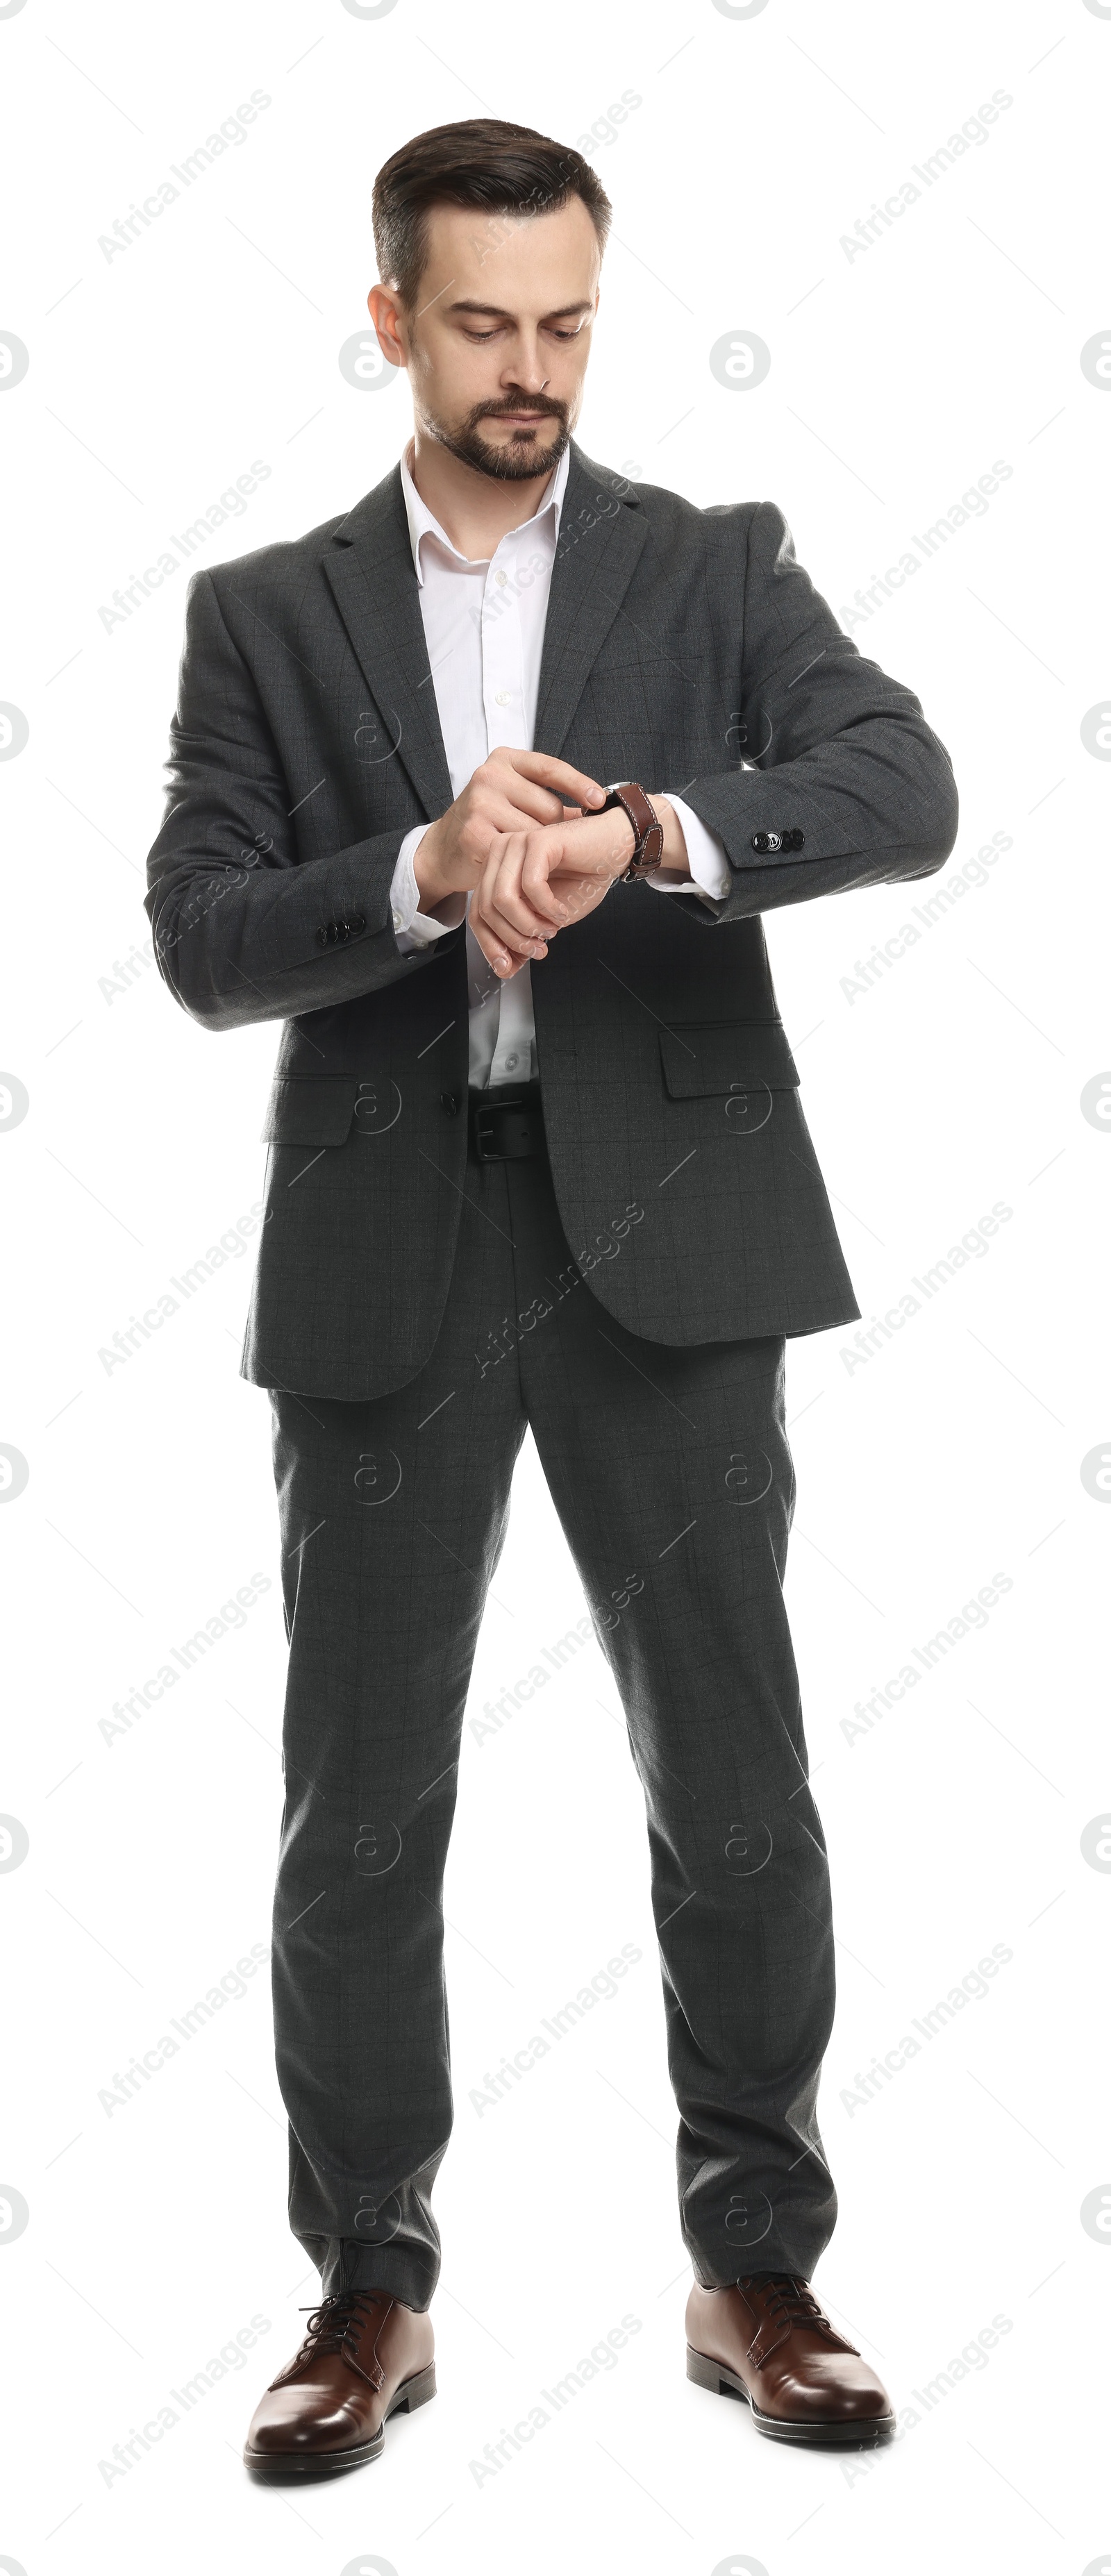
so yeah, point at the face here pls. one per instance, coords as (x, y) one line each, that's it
(496, 350)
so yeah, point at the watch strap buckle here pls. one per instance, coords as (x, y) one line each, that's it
(648, 844)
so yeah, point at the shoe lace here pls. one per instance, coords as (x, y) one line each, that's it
(787, 2301)
(335, 2327)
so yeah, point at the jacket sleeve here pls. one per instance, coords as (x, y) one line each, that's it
(840, 753)
(243, 929)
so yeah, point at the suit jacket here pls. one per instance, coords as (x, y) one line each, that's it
(682, 645)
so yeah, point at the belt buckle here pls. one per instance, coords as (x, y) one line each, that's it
(494, 1129)
(483, 1129)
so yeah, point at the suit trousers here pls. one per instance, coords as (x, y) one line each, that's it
(671, 1474)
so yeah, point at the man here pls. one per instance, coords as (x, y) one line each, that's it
(537, 1160)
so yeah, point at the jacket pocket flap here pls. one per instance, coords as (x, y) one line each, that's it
(726, 1055)
(309, 1109)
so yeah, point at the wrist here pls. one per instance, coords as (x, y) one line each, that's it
(622, 840)
(674, 862)
(433, 883)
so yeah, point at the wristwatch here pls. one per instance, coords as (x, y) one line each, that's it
(648, 847)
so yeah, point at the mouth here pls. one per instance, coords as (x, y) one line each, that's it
(521, 419)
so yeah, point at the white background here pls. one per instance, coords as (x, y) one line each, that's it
(950, 1083)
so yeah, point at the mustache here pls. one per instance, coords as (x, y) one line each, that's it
(543, 403)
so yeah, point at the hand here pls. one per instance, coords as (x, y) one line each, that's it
(538, 882)
(512, 791)
(535, 883)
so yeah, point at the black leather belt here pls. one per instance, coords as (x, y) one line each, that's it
(505, 1124)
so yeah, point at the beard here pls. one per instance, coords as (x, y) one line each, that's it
(527, 454)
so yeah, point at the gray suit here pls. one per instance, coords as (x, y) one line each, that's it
(625, 1293)
(680, 642)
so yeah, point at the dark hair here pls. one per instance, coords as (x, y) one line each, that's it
(481, 162)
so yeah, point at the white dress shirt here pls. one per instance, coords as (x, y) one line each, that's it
(484, 627)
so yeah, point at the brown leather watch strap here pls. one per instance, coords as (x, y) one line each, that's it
(649, 845)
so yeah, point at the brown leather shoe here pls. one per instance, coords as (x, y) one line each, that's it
(768, 2340)
(364, 2357)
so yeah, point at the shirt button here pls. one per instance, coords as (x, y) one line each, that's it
(502, 697)
(397, 920)
(502, 580)
(510, 1061)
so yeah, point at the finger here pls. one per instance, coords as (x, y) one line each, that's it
(574, 889)
(522, 938)
(506, 961)
(541, 858)
(558, 775)
(500, 893)
(524, 800)
(526, 938)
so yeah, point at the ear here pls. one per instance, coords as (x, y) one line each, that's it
(386, 315)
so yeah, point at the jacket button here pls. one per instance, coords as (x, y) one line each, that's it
(450, 1103)
(760, 840)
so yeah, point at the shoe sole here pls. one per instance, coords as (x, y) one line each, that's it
(827, 2434)
(280, 2468)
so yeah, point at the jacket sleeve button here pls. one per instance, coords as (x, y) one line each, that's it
(760, 841)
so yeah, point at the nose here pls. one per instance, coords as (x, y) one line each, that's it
(526, 370)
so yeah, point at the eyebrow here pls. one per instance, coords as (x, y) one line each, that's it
(497, 312)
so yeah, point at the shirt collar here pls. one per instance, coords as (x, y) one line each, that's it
(422, 523)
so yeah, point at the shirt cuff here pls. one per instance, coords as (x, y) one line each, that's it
(710, 873)
(413, 928)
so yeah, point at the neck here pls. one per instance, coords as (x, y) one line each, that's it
(475, 510)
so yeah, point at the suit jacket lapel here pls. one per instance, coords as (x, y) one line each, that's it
(370, 568)
(600, 540)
